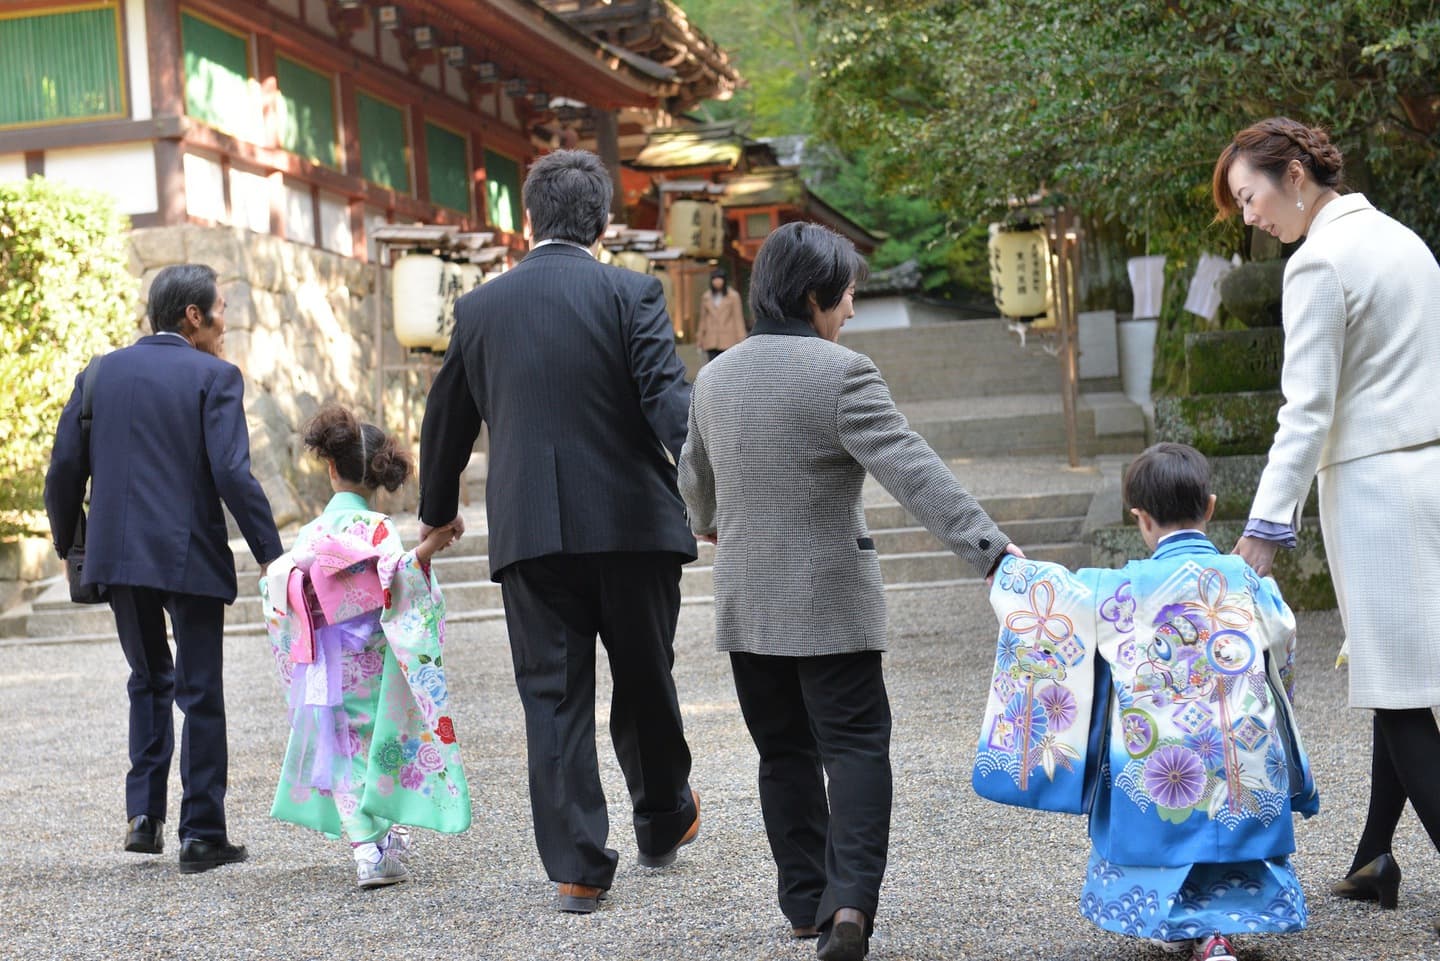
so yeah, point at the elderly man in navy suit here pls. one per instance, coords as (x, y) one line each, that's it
(572, 365)
(167, 444)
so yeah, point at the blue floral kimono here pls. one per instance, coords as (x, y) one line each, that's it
(1156, 698)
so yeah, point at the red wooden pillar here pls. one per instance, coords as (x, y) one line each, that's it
(167, 99)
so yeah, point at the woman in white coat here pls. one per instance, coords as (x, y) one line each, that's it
(1362, 355)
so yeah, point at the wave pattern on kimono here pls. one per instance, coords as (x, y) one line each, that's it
(372, 743)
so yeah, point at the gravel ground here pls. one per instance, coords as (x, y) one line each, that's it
(967, 879)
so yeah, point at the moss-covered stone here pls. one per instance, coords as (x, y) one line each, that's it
(1230, 361)
(1220, 424)
(1303, 574)
(1251, 292)
(1233, 480)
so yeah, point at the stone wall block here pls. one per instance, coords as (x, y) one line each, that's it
(158, 246)
(220, 248)
(1230, 361)
(1220, 424)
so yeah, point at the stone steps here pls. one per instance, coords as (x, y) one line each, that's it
(1046, 525)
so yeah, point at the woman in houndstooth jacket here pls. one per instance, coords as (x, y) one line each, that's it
(1362, 348)
(783, 428)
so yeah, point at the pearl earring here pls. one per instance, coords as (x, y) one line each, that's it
(1300, 205)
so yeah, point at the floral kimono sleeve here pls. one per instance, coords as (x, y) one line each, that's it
(1038, 746)
(414, 733)
(1276, 624)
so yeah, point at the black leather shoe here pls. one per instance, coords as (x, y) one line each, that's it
(1377, 881)
(197, 856)
(846, 940)
(146, 835)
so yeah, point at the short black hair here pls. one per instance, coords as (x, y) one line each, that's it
(567, 194)
(177, 287)
(797, 260)
(1170, 482)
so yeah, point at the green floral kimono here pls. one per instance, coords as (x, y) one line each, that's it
(381, 749)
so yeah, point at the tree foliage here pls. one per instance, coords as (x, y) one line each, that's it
(771, 43)
(1123, 105)
(65, 295)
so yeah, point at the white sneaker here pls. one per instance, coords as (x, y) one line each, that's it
(375, 868)
(398, 842)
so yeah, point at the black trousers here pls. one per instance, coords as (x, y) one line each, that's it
(555, 606)
(813, 718)
(194, 680)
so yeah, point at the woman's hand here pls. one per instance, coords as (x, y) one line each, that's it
(1258, 553)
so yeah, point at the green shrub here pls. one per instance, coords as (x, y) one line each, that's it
(65, 295)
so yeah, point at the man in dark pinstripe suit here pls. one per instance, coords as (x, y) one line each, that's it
(572, 365)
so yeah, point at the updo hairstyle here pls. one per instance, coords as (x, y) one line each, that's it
(1269, 146)
(362, 453)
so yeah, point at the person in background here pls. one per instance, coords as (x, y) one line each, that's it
(722, 317)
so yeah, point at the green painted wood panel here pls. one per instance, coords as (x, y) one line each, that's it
(60, 66)
(307, 114)
(502, 191)
(447, 159)
(217, 75)
(384, 155)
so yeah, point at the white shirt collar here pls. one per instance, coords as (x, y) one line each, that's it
(171, 333)
(569, 243)
(1188, 530)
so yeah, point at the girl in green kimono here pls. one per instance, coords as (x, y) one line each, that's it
(357, 624)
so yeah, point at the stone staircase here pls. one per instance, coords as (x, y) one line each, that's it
(988, 406)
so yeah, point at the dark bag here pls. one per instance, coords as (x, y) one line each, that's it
(82, 593)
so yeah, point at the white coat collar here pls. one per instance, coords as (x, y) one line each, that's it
(1337, 208)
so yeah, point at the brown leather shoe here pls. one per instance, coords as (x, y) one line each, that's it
(668, 858)
(577, 898)
(802, 931)
(847, 940)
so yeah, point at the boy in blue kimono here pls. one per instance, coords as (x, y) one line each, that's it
(1181, 730)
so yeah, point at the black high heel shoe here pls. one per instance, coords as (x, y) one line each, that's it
(1377, 881)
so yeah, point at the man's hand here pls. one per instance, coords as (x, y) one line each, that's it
(1013, 550)
(1258, 553)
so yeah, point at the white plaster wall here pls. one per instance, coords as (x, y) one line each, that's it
(125, 171)
(363, 40)
(137, 54)
(316, 17)
(335, 225)
(291, 7)
(12, 166)
(299, 214)
(205, 188)
(879, 313)
(250, 201)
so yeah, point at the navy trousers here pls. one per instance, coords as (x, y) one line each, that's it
(194, 680)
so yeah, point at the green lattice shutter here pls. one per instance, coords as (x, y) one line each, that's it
(217, 77)
(307, 115)
(383, 145)
(447, 159)
(502, 191)
(60, 66)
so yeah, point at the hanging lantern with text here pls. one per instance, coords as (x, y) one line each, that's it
(1020, 271)
(697, 227)
(425, 289)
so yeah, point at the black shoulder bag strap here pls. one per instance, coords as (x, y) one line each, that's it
(87, 414)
